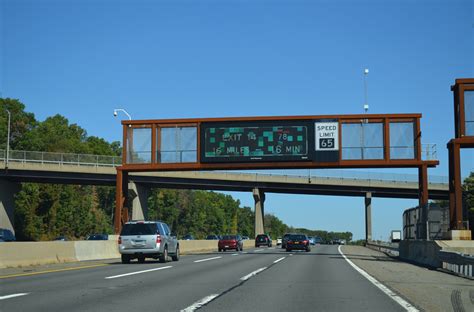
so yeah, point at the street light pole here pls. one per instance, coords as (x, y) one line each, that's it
(123, 111)
(8, 138)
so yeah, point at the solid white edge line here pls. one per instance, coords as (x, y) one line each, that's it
(13, 296)
(278, 260)
(202, 260)
(406, 305)
(200, 303)
(138, 272)
(246, 277)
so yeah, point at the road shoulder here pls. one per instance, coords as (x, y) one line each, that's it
(427, 289)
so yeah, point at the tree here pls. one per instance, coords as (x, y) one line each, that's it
(21, 122)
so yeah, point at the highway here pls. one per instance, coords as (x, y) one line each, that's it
(264, 279)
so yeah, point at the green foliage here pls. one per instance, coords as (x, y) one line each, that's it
(21, 122)
(45, 211)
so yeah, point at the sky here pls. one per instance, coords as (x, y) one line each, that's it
(179, 59)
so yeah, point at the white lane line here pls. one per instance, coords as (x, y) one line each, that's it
(246, 277)
(138, 272)
(257, 250)
(278, 260)
(200, 303)
(406, 305)
(202, 260)
(236, 254)
(13, 296)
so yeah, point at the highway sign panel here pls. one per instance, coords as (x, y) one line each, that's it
(265, 141)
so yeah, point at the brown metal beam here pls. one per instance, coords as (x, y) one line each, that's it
(423, 185)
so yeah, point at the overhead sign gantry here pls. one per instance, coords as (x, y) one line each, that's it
(290, 142)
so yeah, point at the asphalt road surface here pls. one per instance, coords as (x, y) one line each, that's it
(264, 279)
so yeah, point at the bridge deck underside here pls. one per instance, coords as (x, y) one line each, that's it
(314, 188)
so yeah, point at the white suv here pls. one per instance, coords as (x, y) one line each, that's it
(147, 239)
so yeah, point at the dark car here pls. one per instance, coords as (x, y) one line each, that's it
(263, 240)
(7, 236)
(212, 237)
(298, 242)
(188, 237)
(61, 238)
(98, 237)
(230, 242)
(318, 240)
(285, 239)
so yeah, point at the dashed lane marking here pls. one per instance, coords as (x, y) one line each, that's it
(139, 272)
(207, 259)
(13, 296)
(200, 303)
(278, 260)
(246, 277)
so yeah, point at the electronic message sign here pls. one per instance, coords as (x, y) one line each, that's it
(253, 142)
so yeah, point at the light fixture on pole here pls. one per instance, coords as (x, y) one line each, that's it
(8, 139)
(366, 102)
(123, 111)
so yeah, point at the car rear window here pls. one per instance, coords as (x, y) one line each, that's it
(139, 229)
(297, 237)
(228, 237)
(262, 237)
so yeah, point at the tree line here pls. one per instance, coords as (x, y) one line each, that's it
(45, 211)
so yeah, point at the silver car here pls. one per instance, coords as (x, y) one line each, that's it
(147, 239)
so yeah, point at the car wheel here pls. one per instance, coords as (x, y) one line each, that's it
(125, 259)
(308, 250)
(175, 257)
(164, 255)
(141, 259)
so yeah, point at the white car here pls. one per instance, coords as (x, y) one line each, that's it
(278, 241)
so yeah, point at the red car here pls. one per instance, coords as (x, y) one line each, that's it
(230, 242)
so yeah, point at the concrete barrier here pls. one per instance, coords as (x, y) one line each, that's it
(19, 254)
(427, 252)
(96, 250)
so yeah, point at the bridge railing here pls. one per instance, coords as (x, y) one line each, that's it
(112, 161)
(61, 158)
(388, 248)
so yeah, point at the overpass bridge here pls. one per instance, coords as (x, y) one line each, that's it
(43, 167)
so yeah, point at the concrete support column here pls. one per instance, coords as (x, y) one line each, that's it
(368, 216)
(7, 204)
(259, 197)
(138, 195)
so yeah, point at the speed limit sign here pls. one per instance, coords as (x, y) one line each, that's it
(327, 136)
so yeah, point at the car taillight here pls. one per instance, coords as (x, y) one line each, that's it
(120, 240)
(305, 242)
(158, 239)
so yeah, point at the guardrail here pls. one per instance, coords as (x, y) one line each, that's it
(89, 160)
(458, 263)
(388, 248)
(61, 158)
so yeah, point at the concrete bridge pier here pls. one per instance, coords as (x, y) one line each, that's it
(7, 204)
(138, 196)
(259, 197)
(368, 216)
